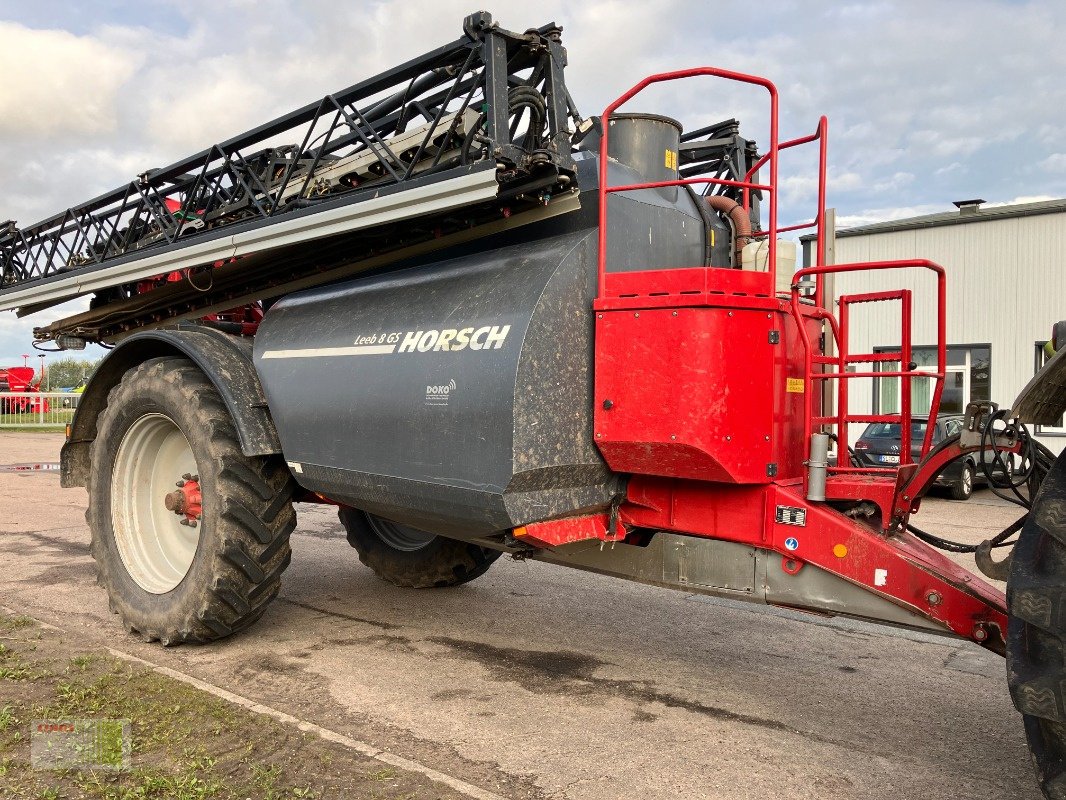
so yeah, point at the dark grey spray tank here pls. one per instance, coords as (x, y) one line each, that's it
(456, 396)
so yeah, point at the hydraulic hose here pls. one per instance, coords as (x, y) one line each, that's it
(738, 216)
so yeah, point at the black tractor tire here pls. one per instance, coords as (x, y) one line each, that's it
(1036, 633)
(243, 544)
(962, 489)
(423, 562)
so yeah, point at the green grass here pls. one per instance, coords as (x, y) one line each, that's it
(58, 416)
(184, 743)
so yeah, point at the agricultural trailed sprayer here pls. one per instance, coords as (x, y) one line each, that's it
(481, 323)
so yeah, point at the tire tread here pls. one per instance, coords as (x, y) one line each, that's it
(255, 513)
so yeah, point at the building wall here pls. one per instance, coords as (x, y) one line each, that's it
(1006, 286)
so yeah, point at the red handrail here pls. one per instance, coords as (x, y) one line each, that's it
(770, 188)
(821, 135)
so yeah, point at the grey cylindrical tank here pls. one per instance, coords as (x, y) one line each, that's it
(456, 397)
(648, 144)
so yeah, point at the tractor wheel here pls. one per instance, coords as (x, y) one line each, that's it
(1036, 636)
(408, 557)
(962, 489)
(190, 536)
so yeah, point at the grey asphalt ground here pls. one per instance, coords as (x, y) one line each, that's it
(542, 682)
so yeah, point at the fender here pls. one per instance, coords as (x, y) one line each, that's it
(1043, 399)
(226, 360)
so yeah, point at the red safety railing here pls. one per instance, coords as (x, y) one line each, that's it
(815, 366)
(820, 135)
(747, 185)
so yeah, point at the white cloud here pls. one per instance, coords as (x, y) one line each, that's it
(1024, 198)
(55, 82)
(872, 215)
(1056, 162)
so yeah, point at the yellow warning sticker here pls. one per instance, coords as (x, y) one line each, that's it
(794, 385)
(671, 159)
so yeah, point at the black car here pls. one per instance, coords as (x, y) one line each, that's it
(879, 446)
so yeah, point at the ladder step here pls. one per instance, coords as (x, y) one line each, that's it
(875, 297)
(869, 358)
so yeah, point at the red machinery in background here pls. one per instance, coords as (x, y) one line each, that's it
(19, 381)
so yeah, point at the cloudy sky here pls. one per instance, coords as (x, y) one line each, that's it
(928, 101)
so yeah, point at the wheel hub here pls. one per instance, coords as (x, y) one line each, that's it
(187, 501)
(399, 537)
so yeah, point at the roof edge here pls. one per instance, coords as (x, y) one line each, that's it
(951, 218)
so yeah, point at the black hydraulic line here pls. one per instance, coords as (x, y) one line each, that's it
(1036, 460)
(999, 540)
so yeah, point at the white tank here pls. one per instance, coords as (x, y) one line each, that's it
(756, 255)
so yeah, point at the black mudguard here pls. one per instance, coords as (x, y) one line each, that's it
(1043, 399)
(226, 360)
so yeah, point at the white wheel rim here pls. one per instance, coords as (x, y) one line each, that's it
(155, 548)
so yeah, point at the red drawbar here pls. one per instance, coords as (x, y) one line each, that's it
(898, 567)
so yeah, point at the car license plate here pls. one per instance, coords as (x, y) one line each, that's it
(889, 459)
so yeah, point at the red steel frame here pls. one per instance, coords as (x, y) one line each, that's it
(888, 562)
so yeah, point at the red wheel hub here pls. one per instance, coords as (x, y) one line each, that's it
(186, 501)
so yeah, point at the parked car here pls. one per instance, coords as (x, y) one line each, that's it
(879, 446)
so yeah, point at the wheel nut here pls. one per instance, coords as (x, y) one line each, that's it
(980, 633)
(187, 476)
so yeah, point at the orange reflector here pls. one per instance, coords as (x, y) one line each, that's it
(67, 430)
(840, 550)
(519, 531)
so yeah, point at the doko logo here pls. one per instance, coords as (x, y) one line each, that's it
(438, 395)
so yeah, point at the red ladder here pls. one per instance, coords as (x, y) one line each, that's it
(817, 367)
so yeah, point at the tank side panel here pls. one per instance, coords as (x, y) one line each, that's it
(555, 458)
(397, 394)
(647, 231)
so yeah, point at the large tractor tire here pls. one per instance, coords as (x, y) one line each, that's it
(175, 573)
(407, 557)
(1036, 637)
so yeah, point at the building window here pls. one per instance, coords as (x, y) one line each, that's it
(1059, 428)
(968, 377)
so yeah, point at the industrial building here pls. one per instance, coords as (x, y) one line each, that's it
(1005, 289)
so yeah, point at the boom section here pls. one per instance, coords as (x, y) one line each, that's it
(469, 132)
